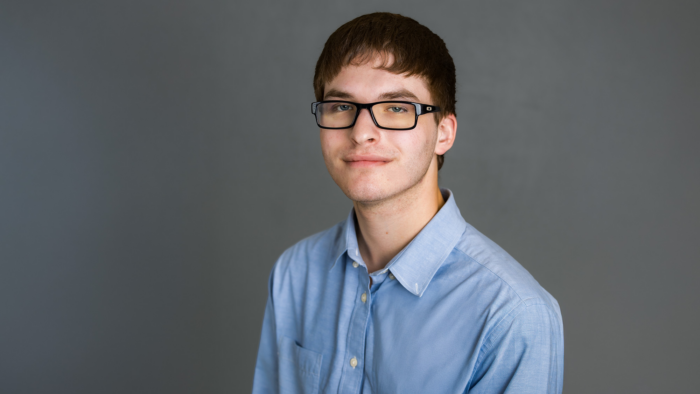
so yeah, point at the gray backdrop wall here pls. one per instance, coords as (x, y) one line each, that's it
(156, 158)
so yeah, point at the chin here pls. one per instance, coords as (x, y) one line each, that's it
(366, 191)
(367, 195)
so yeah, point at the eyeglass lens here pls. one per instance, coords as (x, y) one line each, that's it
(390, 115)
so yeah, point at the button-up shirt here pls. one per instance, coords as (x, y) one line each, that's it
(451, 313)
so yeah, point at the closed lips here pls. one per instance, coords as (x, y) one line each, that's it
(366, 158)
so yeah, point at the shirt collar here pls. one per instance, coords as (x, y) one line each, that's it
(346, 240)
(415, 265)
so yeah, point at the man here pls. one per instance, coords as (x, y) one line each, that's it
(403, 296)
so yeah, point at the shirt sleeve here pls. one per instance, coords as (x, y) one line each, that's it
(524, 353)
(265, 379)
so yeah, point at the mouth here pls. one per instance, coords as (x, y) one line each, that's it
(364, 161)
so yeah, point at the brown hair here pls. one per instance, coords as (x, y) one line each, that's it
(415, 50)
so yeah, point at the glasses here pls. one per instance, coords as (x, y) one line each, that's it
(390, 115)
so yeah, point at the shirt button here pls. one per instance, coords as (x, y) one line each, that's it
(353, 362)
(364, 297)
(354, 264)
(391, 276)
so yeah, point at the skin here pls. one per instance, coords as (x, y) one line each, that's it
(391, 176)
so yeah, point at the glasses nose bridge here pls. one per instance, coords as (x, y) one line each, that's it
(368, 107)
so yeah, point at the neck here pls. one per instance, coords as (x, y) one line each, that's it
(385, 228)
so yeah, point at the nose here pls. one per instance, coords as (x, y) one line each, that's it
(364, 131)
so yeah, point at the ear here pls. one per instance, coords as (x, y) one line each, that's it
(447, 131)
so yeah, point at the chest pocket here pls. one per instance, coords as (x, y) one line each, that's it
(299, 368)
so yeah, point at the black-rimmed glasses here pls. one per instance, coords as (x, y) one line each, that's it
(390, 115)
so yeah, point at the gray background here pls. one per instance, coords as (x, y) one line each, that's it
(157, 157)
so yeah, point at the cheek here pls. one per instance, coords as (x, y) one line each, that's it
(414, 144)
(331, 142)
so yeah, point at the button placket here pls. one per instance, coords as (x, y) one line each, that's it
(351, 378)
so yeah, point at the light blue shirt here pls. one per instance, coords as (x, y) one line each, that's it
(451, 313)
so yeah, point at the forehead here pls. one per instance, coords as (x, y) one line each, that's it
(367, 83)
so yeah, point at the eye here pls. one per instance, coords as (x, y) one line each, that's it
(342, 107)
(397, 109)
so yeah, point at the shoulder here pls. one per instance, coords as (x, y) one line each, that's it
(311, 252)
(490, 260)
(521, 310)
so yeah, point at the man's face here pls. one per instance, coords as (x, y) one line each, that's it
(372, 164)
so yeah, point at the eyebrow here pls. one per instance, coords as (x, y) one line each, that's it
(393, 95)
(398, 94)
(337, 94)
